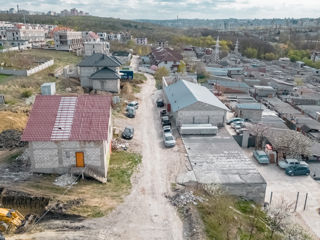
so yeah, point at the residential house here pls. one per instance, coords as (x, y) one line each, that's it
(190, 103)
(142, 41)
(165, 57)
(70, 134)
(68, 41)
(315, 57)
(91, 48)
(282, 87)
(103, 36)
(100, 72)
(162, 44)
(250, 111)
(22, 34)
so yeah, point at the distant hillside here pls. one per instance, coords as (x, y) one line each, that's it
(97, 24)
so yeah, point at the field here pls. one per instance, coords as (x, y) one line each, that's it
(16, 89)
(3, 78)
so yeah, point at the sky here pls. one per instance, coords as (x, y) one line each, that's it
(170, 9)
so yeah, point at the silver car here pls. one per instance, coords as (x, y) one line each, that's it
(168, 140)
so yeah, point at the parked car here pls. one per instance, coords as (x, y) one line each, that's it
(237, 123)
(234, 120)
(165, 121)
(166, 129)
(291, 162)
(133, 104)
(298, 170)
(163, 112)
(128, 132)
(168, 140)
(131, 112)
(261, 157)
(160, 102)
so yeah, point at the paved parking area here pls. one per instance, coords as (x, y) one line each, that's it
(285, 188)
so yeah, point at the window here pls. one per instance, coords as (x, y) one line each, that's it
(67, 154)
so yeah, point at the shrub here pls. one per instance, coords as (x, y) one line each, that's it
(26, 93)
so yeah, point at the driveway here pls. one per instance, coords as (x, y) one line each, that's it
(285, 188)
(146, 213)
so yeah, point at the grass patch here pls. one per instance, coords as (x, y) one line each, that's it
(227, 217)
(138, 79)
(3, 78)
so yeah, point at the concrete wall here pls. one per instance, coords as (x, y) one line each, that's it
(85, 73)
(251, 114)
(200, 113)
(27, 72)
(250, 191)
(106, 85)
(58, 157)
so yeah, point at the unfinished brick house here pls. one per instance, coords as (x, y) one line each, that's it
(70, 134)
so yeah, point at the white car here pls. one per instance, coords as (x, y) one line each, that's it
(168, 140)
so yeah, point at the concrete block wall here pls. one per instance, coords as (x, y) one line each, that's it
(251, 114)
(250, 191)
(107, 85)
(58, 157)
(27, 72)
(85, 73)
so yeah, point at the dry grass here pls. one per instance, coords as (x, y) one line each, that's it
(14, 88)
(98, 199)
(11, 120)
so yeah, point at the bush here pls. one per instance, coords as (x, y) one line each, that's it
(26, 93)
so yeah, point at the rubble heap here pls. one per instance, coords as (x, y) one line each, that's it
(182, 199)
(10, 139)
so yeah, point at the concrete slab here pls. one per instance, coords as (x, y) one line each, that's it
(220, 160)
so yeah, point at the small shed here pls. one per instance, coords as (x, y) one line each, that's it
(250, 111)
(48, 89)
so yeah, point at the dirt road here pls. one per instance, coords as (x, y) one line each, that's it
(146, 213)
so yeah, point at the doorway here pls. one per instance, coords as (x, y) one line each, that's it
(79, 159)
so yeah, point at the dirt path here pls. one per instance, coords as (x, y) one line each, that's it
(146, 213)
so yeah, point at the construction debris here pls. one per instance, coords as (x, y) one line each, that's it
(65, 180)
(119, 144)
(182, 199)
(10, 139)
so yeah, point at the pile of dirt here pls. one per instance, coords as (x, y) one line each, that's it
(119, 144)
(10, 139)
(11, 120)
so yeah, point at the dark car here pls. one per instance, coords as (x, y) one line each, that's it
(163, 112)
(298, 170)
(128, 133)
(131, 112)
(165, 121)
(160, 102)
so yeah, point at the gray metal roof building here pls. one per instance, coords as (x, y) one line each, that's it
(183, 93)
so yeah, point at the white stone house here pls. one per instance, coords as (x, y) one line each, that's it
(190, 103)
(70, 134)
(68, 41)
(100, 72)
(142, 41)
(91, 48)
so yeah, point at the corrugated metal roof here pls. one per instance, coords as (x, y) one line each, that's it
(82, 118)
(233, 83)
(183, 93)
(99, 60)
(253, 106)
(105, 73)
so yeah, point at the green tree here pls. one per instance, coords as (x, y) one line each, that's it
(270, 56)
(159, 74)
(251, 52)
(182, 67)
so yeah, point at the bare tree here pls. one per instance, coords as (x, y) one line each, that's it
(278, 217)
(290, 142)
(258, 130)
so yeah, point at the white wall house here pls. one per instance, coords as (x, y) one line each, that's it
(91, 48)
(68, 41)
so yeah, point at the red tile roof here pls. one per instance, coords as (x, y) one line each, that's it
(90, 120)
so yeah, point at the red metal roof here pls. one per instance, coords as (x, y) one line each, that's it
(90, 119)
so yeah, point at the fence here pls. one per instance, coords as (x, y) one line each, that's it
(25, 72)
(21, 47)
